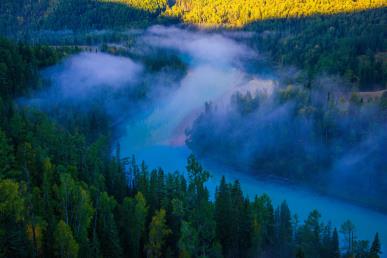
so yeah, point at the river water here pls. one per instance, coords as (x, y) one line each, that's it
(300, 201)
(157, 136)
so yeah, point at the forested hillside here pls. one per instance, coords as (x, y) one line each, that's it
(20, 64)
(346, 39)
(23, 16)
(153, 6)
(62, 194)
(302, 135)
(351, 45)
(237, 13)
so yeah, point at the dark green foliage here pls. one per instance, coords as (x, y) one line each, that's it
(106, 226)
(375, 250)
(188, 241)
(65, 244)
(334, 249)
(23, 16)
(297, 130)
(134, 214)
(19, 66)
(352, 45)
(62, 194)
(285, 231)
(309, 235)
(12, 214)
(300, 253)
(233, 220)
(6, 156)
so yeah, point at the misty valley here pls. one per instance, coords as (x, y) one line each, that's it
(158, 129)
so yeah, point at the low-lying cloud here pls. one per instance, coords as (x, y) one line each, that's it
(215, 71)
(202, 47)
(84, 74)
(318, 136)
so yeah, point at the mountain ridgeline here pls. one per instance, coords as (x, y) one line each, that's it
(96, 14)
(346, 39)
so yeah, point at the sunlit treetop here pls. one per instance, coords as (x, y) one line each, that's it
(153, 6)
(236, 13)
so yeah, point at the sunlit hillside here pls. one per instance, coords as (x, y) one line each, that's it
(236, 13)
(152, 6)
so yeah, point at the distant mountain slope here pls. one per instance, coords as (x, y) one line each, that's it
(98, 14)
(317, 36)
(237, 13)
(153, 6)
(22, 15)
(352, 45)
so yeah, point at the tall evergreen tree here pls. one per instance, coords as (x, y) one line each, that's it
(107, 228)
(335, 247)
(158, 231)
(285, 233)
(375, 250)
(309, 235)
(65, 244)
(6, 157)
(348, 230)
(13, 240)
(76, 208)
(223, 215)
(188, 242)
(134, 213)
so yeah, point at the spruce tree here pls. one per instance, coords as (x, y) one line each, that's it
(375, 249)
(284, 231)
(335, 248)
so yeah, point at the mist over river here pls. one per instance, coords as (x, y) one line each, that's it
(301, 201)
(156, 133)
(157, 137)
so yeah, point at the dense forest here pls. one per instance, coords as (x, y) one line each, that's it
(334, 40)
(351, 45)
(241, 12)
(302, 135)
(20, 18)
(66, 191)
(64, 195)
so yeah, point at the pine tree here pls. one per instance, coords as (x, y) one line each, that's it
(201, 209)
(76, 208)
(348, 229)
(309, 235)
(158, 231)
(65, 244)
(12, 216)
(188, 242)
(222, 215)
(326, 241)
(6, 157)
(107, 228)
(335, 247)
(285, 231)
(134, 213)
(375, 249)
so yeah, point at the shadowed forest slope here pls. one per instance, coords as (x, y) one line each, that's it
(23, 15)
(352, 45)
